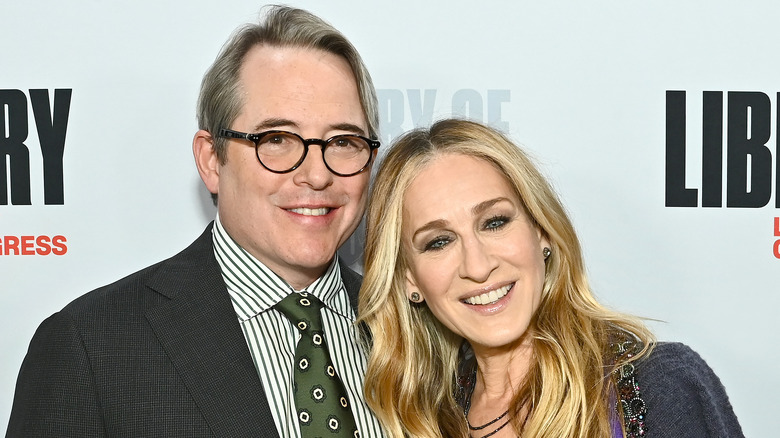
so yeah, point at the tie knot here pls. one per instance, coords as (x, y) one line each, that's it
(303, 310)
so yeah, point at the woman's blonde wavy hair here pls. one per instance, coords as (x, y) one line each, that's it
(413, 362)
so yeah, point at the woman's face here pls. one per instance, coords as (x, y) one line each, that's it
(472, 251)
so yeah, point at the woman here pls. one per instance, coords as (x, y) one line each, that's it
(480, 316)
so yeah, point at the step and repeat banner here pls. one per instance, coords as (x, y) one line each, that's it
(656, 122)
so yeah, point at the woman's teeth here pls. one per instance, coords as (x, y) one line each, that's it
(489, 297)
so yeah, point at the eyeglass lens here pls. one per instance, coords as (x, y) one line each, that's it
(343, 154)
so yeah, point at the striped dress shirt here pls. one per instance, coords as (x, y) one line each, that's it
(254, 289)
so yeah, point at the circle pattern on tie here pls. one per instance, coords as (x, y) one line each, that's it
(318, 394)
(333, 423)
(320, 398)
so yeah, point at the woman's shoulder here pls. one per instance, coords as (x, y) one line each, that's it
(676, 358)
(683, 395)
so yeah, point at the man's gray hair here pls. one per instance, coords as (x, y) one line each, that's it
(220, 100)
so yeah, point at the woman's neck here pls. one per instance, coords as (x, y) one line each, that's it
(500, 372)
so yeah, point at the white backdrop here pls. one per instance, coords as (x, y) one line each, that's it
(581, 84)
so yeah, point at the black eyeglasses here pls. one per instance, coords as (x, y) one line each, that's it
(283, 152)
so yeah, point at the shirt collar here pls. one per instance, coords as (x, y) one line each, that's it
(255, 288)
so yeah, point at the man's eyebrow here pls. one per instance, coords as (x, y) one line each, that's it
(349, 127)
(273, 123)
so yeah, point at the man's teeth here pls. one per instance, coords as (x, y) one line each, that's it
(489, 297)
(311, 211)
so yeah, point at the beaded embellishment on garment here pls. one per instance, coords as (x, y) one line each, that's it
(630, 402)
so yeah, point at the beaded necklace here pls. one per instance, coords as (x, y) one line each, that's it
(487, 424)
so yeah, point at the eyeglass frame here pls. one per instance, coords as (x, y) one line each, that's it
(255, 138)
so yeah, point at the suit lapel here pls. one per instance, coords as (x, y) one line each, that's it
(199, 330)
(351, 280)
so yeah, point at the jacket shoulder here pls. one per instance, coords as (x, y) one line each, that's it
(683, 395)
(149, 285)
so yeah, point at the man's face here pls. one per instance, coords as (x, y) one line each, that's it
(293, 222)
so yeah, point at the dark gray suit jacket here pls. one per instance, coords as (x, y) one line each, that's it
(157, 354)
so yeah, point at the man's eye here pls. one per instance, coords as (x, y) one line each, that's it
(348, 143)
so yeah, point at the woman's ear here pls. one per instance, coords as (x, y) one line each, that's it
(413, 293)
(544, 241)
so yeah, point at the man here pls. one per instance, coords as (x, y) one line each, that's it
(196, 345)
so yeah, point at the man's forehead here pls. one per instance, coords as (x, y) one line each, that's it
(286, 87)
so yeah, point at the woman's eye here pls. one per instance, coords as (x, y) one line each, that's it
(436, 244)
(496, 222)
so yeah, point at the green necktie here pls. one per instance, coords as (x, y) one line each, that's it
(320, 398)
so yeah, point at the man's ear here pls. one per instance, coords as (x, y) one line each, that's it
(206, 159)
